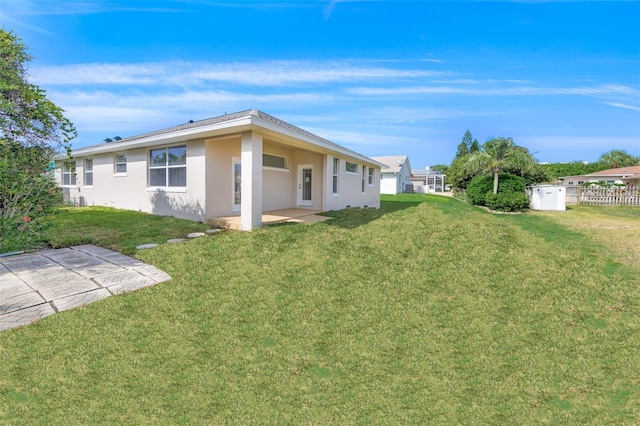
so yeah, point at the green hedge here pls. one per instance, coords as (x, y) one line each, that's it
(510, 196)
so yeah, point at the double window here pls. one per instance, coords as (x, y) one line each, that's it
(88, 172)
(363, 177)
(168, 167)
(68, 174)
(370, 176)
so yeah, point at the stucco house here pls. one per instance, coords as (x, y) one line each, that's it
(241, 164)
(396, 174)
(621, 175)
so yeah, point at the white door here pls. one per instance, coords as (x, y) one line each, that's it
(305, 185)
(236, 184)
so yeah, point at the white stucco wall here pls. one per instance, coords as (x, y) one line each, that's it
(131, 191)
(350, 187)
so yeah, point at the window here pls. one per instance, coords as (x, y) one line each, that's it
(275, 161)
(336, 167)
(69, 174)
(120, 164)
(363, 177)
(351, 168)
(168, 167)
(370, 176)
(88, 172)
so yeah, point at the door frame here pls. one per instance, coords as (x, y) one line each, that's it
(299, 192)
(235, 207)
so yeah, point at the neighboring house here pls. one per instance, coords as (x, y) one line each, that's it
(426, 181)
(396, 174)
(621, 175)
(242, 164)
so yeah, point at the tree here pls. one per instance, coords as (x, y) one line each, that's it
(499, 154)
(573, 168)
(32, 129)
(618, 158)
(439, 169)
(465, 145)
(474, 146)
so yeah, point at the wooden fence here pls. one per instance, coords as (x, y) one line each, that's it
(620, 196)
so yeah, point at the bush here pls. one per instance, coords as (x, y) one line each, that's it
(27, 193)
(509, 183)
(478, 188)
(506, 201)
(510, 196)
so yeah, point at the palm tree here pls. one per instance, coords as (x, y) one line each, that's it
(498, 154)
(618, 158)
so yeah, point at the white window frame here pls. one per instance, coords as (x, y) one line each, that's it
(68, 169)
(279, 169)
(167, 167)
(363, 179)
(334, 176)
(346, 168)
(88, 172)
(371, 176)
(117, 163)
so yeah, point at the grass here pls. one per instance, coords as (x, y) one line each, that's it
(121, 230)
(426, 311)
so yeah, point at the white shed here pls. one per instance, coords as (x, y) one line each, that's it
(547, 197)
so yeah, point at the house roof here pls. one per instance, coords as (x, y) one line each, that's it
(618, 172)
(425, 172)
(392, 163)
(234, 123)
(631, 172)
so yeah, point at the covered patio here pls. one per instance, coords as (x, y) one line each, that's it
(295, 215)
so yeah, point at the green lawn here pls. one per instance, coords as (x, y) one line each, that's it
(428, 311)
(121, 230)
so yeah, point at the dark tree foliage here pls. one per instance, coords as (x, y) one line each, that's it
(439, 169)
(574, 168)
(618, 158)
(464, 148)
(32, 129)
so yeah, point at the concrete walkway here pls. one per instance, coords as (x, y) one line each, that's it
(36, 285)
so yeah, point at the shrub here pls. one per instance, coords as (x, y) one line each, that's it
(27, 193)
(510, 196)
(506, 201)
(478, 189)
(510, 183)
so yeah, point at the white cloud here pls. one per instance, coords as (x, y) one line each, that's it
(185, 74)
(607, 89)
(624, 106)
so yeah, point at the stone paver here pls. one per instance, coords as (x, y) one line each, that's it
(176, 240)
(147, 246)
(196, 234)
(36, 285)
(25, 316)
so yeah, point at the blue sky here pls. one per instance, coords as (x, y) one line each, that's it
(561, 78)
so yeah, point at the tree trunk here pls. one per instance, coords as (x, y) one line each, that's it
(495, 182)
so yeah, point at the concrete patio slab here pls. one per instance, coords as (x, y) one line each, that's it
(297, 215)
(36, 285)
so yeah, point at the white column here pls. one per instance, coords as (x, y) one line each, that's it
(251, 196)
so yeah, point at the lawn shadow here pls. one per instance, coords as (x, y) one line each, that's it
(354, 217)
